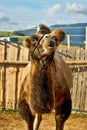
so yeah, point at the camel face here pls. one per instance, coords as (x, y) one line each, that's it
(48, 44)
(44, 45)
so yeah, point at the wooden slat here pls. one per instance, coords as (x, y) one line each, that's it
(14, 62)
(1, 86)
(76, 62)
(26, 62)
(10, 87)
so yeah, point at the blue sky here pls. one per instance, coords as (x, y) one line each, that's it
(24, 14)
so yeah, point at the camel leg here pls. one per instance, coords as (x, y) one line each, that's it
(26, 114)
(62, 113)
(37, 121)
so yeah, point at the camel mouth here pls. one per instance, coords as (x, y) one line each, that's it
(51, 46)
(48, 48)
(48, 51)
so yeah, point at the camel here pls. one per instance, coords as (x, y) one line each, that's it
(47, 80)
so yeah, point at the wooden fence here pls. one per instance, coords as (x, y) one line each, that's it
(13, 59)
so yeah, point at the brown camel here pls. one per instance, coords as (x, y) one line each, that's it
(46, 81)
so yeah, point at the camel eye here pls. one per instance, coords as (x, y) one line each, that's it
(34, 41)
(56, 39)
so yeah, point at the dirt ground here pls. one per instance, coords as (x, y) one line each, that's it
(14, 122)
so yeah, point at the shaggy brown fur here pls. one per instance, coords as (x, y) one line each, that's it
(46, 81)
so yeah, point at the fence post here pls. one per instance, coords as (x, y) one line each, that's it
(86, 39)
(68, 41)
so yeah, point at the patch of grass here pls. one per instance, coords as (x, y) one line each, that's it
(9, 111)
(22, 38)
(7, 34)
(78, 115)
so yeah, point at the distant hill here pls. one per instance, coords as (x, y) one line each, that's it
(52, 27)
(27, 31)
(69, 25)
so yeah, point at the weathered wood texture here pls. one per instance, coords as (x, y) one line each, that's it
(77, 59)
(13, 59)
(10, 73)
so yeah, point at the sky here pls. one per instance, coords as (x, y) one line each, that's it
(25, 14)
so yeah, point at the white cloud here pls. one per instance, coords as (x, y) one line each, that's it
(1, 15)
(78, 12)
(4, 18)
(51, 14)
(23, 16)
(76, 8)
(53, 10)
(6, 23)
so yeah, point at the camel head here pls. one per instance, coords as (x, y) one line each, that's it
(44, 42)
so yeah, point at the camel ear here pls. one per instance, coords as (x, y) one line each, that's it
(27, 43)
(59, 34)
(31, 41)
(43, 29)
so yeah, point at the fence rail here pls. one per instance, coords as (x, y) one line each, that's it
(26, 62)
(13, 59)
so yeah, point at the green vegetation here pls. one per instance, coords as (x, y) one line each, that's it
(22, 38)
(9, 111)
(78, 115)
(6, 34)
(13, 34)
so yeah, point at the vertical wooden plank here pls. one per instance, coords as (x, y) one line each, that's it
(17, 83)
(4, 78)
(24, 54)
(83, 92)
(15, 49)
(10, 85)
(74, 54)
(5, 74)
(12, 52)
(2, 51)
(86, 82)
(82, 81)
(78, 78)
(75, 82)
(86, 39)
(11, 77)
(69, 54)
(74, 91)
(1, 89)
(1, 74)
(86, 92)
(79, 91)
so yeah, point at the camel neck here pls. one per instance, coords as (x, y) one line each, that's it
(42, 88)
